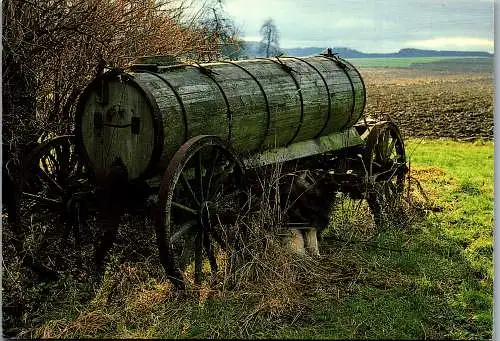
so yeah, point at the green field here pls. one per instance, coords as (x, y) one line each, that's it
(410, 62)
(432, 280)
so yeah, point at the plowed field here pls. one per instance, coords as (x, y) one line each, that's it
(433, 103)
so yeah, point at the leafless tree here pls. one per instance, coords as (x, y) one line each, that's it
(270, 38)
(221, 29)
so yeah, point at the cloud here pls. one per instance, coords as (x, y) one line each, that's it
(453, 43)
(373, 25)
(353, 23)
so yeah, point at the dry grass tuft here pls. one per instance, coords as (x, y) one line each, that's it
(425, 174)
(265, 267)
(422, 200)
(126, 294)
(132, 288)
(89, 324)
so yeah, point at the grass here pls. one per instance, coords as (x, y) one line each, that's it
(420, 62)
(433, 280)
(465, 193)
(437, 280)
(395, 62)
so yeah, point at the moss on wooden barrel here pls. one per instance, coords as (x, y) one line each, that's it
(143, 115)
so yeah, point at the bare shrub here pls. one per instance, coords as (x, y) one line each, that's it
(52, 49)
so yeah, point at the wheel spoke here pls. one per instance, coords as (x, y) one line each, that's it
(387, 139)
(385, 147)
(79, 167)
(214, 156)
(390, 149)
(391, 191)
(64, 158)
(75, 166)
(42, 174)
(186, 184)
(55, 167)
(72, 161)
(217, 184)
(51, 169)
(185, 208)
(198, 174)
(377, 149)
(46, 164)
(185, 230)
(207, 245)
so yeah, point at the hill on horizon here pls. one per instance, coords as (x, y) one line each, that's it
(251, 50)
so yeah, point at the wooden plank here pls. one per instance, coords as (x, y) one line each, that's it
(335, 141)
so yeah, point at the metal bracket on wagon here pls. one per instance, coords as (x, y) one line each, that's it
(135, 124)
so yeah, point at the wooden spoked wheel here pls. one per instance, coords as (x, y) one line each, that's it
(385, 160)
(53, 171)
(200, 198)
(54, 177)
(376, 199)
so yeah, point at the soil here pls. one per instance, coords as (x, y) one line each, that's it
(430, 103)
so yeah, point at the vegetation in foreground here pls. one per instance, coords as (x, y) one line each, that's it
(431, 280)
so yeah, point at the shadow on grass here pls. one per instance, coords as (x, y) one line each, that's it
(425, 287)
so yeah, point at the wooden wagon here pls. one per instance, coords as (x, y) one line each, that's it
(176, 141)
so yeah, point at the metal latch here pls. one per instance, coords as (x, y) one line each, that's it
(135, 124)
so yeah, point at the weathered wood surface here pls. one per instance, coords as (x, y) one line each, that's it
(257, 105)
(104, 145)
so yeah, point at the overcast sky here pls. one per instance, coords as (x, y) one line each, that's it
(371, 25)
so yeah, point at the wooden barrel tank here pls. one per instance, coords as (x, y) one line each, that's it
(144, 114)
